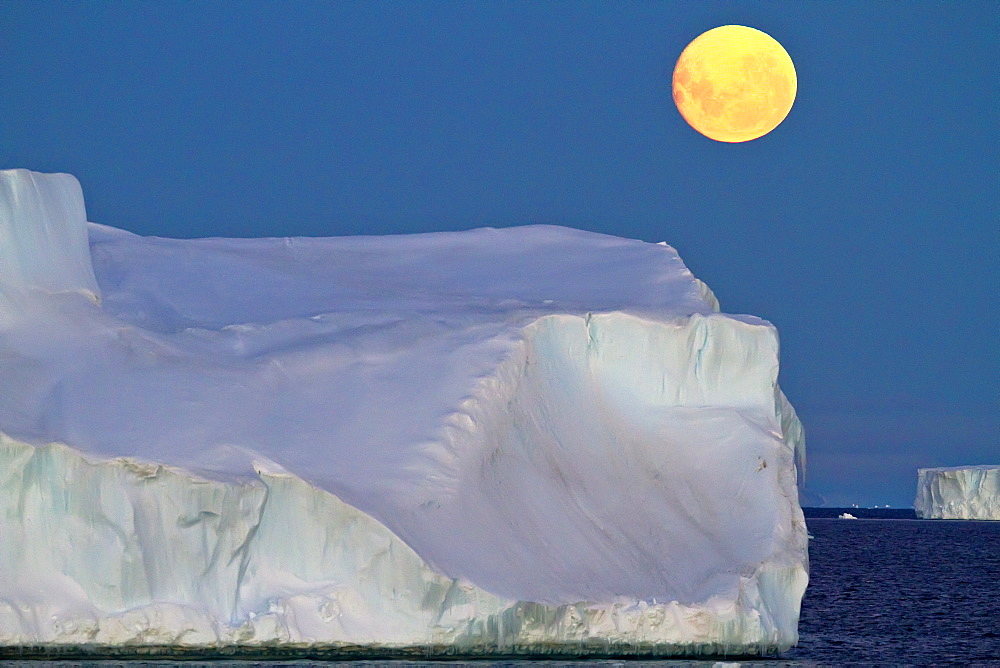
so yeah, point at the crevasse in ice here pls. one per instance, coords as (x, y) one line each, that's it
(502, 440)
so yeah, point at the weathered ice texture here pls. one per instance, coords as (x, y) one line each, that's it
(125, 552)
(43, 238)
(532, 439)
(958, 493)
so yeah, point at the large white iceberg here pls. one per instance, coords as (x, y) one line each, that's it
(520, 440)
(958, 493)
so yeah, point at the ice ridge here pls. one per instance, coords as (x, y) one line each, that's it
(43, 236)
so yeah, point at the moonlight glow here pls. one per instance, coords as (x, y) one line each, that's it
(734, 84)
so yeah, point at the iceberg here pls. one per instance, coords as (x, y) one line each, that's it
(502, 441)
(958, 493)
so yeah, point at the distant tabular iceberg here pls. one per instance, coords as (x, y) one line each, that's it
(958, 493)
(528, 440)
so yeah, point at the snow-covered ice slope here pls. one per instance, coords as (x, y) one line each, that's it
(515, 438)
(958, 493)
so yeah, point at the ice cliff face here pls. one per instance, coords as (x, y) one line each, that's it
(125, 552)
(522, 438)
(958, 493)
(43, 236)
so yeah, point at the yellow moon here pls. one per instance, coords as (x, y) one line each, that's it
(734, 84)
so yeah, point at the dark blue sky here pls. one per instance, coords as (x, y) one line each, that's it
(866, 226)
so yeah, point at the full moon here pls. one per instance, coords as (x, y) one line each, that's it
(734, 84)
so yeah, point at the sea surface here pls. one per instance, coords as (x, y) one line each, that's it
(884, 589)
(900, 591)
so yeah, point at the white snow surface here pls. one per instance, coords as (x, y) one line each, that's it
(522, 436)
(958, 493)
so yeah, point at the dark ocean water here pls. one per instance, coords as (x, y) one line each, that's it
(899, 591)
(882, 591)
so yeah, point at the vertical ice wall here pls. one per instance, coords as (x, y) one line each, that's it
(958, 493)
(43, 236)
